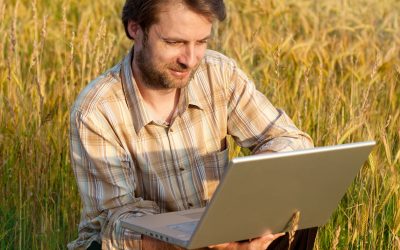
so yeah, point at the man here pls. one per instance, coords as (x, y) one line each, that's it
(149, 135)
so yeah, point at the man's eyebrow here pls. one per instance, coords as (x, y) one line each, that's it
(207, 37)
(176, 39)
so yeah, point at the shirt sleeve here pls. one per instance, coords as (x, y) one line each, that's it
(256, 124)
(106, 180)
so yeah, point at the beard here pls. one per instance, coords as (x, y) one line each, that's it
(156, 76)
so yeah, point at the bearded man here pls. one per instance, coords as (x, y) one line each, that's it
(149, 135)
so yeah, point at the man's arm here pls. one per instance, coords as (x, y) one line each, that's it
(106, 180)
(256, 124)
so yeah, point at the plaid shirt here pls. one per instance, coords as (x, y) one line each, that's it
(126, 164)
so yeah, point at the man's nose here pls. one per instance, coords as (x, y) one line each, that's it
(188, 56)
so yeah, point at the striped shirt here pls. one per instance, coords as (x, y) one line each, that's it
(127, 164)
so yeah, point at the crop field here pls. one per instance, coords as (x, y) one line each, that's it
(332, 65)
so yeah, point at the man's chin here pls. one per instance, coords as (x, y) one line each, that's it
(179, 82)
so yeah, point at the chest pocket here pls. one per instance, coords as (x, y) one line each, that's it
(214, 167)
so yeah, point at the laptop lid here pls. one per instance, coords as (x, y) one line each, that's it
(261, 193)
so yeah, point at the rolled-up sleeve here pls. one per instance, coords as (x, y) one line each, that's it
(256, 124)
(106, 180)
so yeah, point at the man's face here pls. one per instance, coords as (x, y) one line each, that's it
(168, 56)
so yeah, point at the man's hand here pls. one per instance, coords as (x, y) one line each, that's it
(260, 243)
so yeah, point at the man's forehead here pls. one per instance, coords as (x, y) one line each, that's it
(172, 6)
(176, 20)
(177, 9)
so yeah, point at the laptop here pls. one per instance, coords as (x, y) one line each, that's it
(261, 193)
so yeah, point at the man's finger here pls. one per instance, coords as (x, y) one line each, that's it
(266, 240)
(278, 235)
(220, 246)
(271, 236)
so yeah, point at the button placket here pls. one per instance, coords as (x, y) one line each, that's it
(180, 181)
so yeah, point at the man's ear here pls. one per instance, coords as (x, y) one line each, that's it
(133, 29)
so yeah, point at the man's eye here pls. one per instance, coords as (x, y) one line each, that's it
(172, 42)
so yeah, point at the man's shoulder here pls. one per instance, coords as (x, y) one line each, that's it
(217, 66)
(217, 58)
(223, 66)
(106, 87)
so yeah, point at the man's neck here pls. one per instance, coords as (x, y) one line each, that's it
(161, 104)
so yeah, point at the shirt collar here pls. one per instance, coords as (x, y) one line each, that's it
(189, 97)
(136, 103)
(132, 94)
(192, 91)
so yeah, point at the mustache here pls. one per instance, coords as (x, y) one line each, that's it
(179, 67)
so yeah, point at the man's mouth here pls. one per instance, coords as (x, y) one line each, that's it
(180, 74)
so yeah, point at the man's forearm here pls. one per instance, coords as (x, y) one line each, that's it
(114, 236)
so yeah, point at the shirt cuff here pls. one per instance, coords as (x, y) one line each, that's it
(285, 144)
(114, 236)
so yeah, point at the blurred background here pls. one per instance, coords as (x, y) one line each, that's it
(332, 65)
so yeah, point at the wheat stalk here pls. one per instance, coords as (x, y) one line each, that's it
(336, 238)
(292, 227)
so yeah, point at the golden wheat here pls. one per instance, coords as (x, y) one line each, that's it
(333, 66)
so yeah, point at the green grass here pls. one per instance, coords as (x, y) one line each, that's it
(333, 66)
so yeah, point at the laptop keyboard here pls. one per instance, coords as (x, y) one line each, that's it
(186, 227)
(194, 215)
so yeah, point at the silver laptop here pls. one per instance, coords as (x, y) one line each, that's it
(260, 194)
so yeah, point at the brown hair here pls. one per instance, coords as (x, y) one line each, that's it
(145, 12)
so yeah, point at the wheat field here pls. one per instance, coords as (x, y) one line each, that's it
(332, 65)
